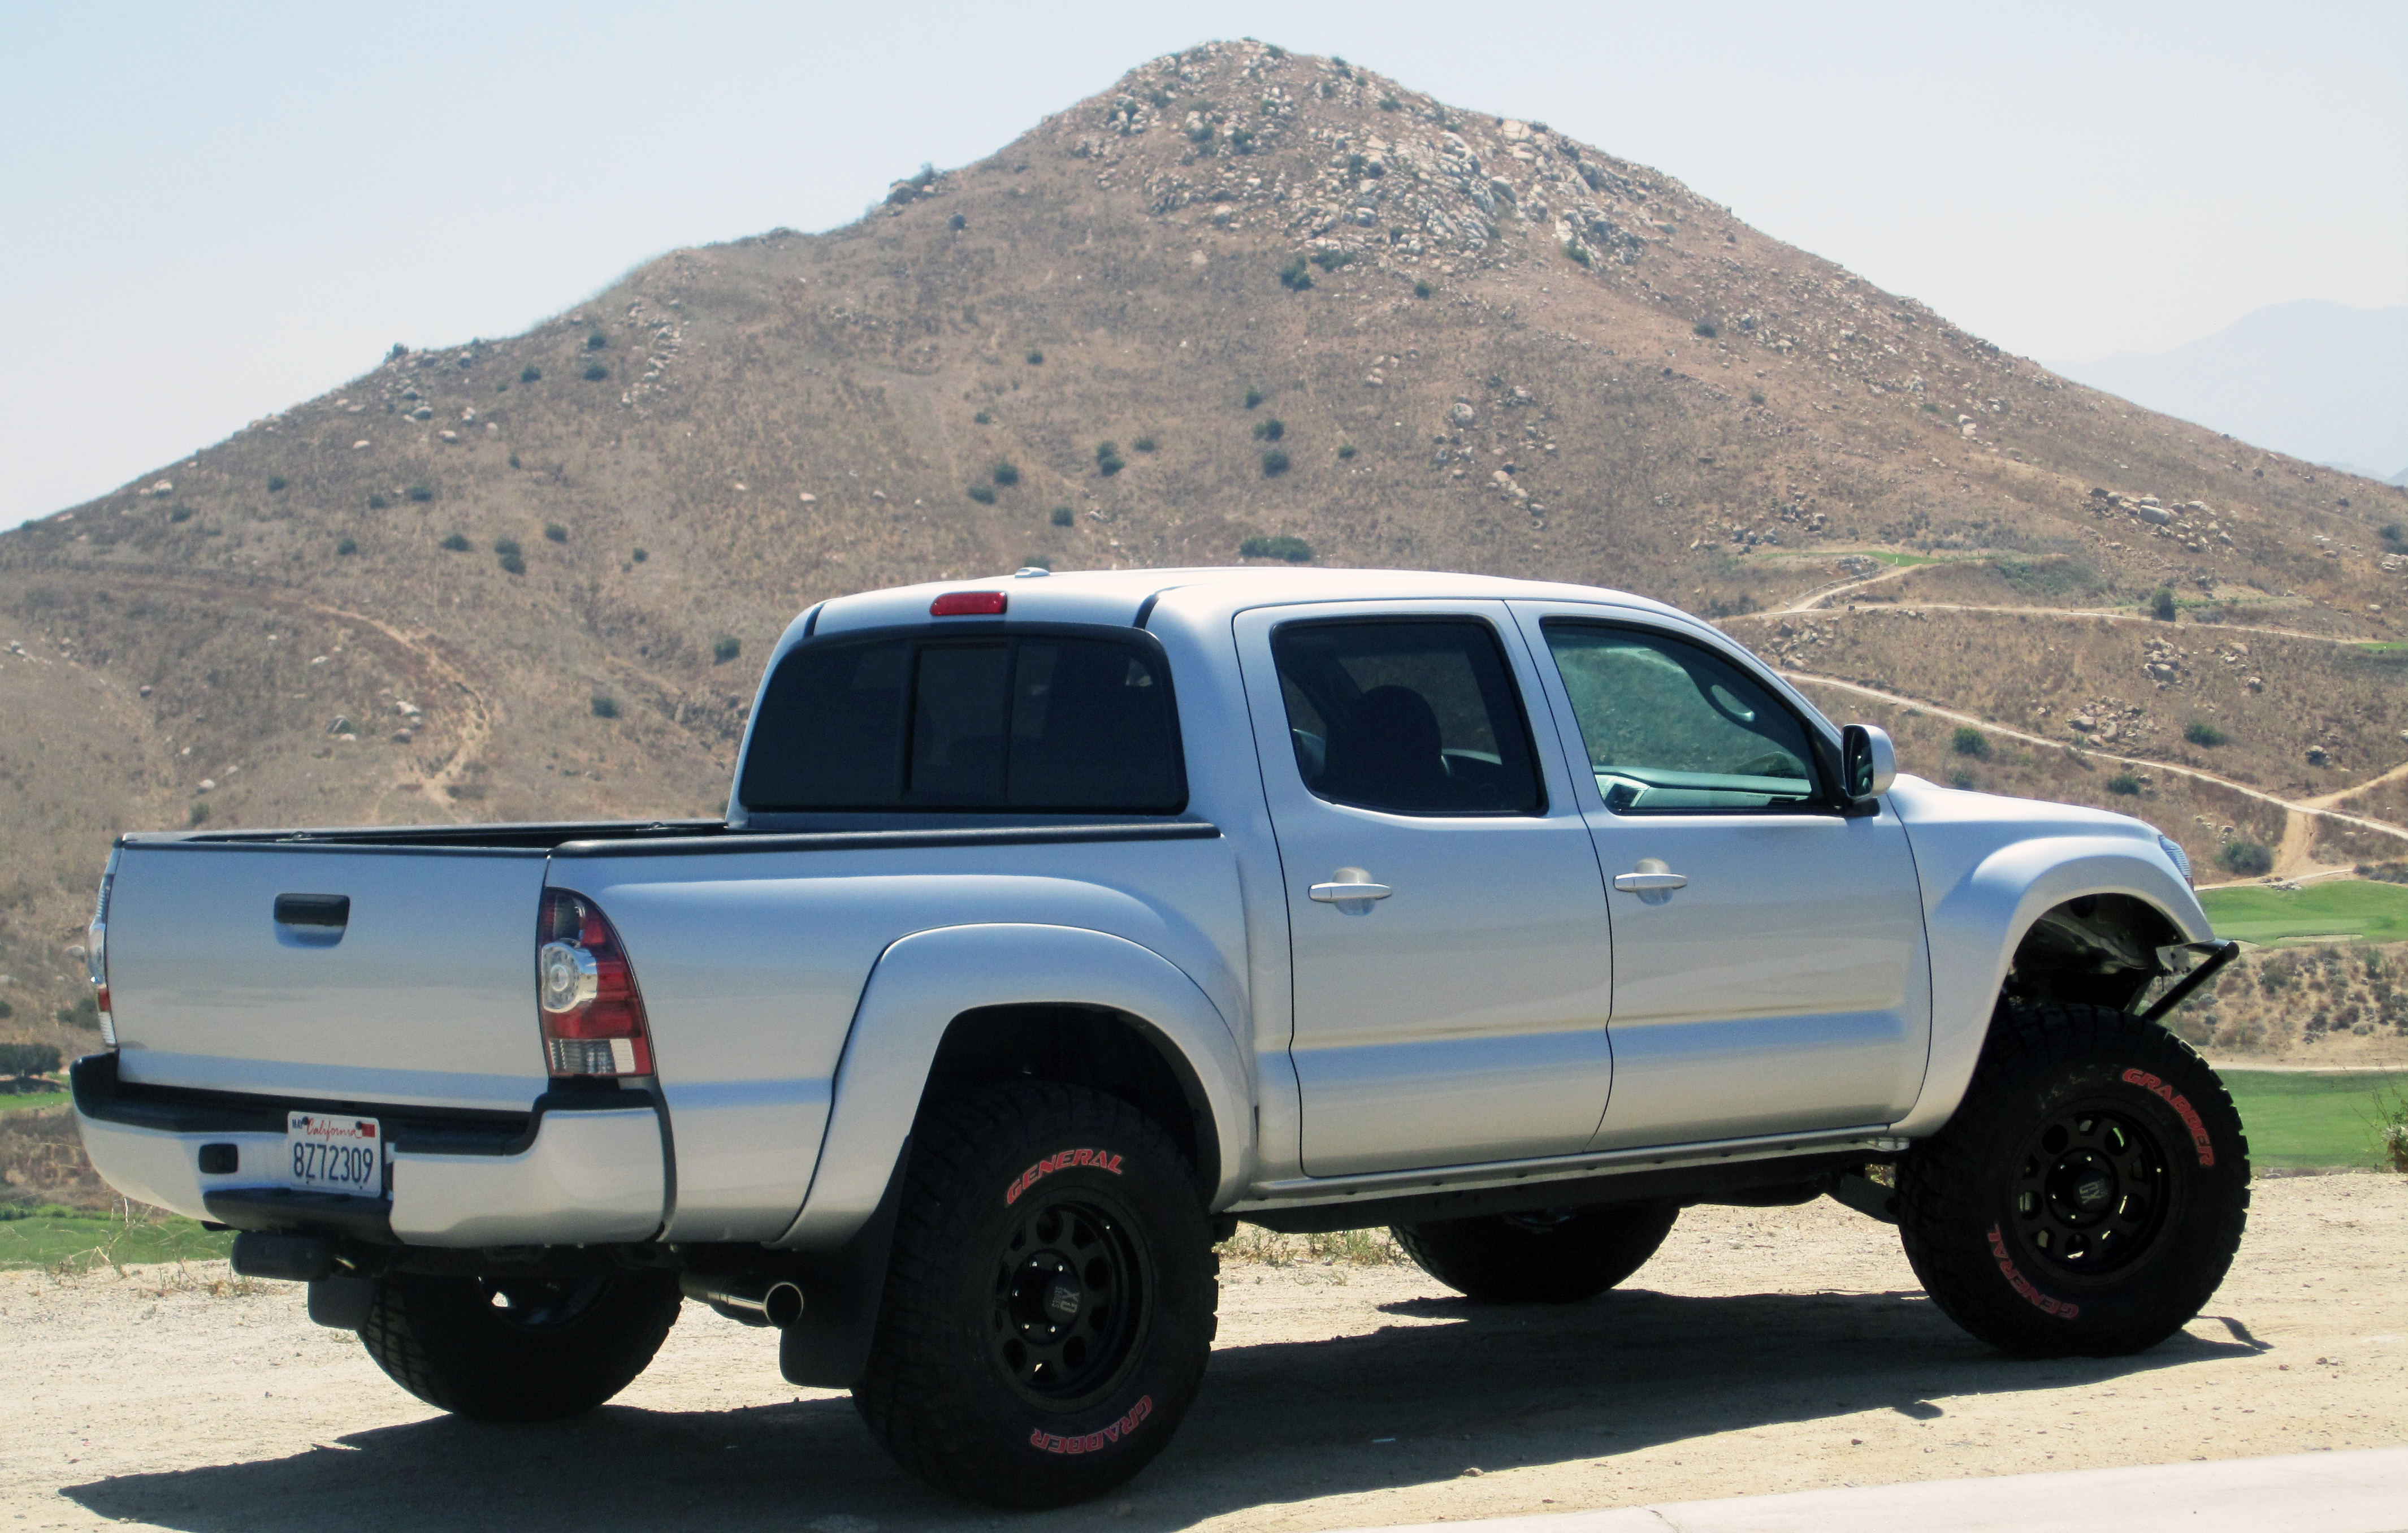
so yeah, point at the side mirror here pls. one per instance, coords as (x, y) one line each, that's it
(1868, 761)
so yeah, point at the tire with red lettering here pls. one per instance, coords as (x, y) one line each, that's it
(520, 1346)
(1551, 1256)
(1050, 1300)
(2088, 1196)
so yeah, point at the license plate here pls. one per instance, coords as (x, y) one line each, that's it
(327, 1154)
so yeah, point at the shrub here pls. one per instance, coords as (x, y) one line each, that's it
(421, 492)
(1109, 459)
(985, 418)
(1755, 396)
(1705, 328)
(85, 1014)
(1007, 474)
(376, 502)
(2161, 604)
(503, 387)
(2247, 859)
(595, 340)
(1200, 134)
(1422, 288)
(346, 547)
(456, 542)
(595, 372)
(1577, 251)
(198, 813)
(275, 483)
(1346, 450)
(1970, 742)
(2124, 785)
(530, 375)
(23, 1061)
(7, 1010)
(2391, 1128)
(2200, 732)
(982, 493)
(1331, 260)
(515, 460)
(1242, 141)
(555, 533)
(180, 513)
(1269, 430)
(1143, 444)
(1274, 461)
(506, 546)
(513, 564)
(639, 555)
(1390, 104)
(1062, 516)
(1036, 358)
(605, 706)
(1253, 397)
(1296, 550)
(2396, 534)
(1293, 274)
(1960, 777)
(725, 648)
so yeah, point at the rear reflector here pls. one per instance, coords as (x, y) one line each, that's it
(592, 1015)
(969, 604)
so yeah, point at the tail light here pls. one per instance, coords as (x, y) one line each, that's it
(95, 954)
(593, 1014)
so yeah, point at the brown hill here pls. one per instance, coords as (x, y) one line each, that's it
(1295, 300)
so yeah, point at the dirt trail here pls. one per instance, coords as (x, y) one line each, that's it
(1763, 1350)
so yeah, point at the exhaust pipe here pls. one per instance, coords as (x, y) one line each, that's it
(753, 1300)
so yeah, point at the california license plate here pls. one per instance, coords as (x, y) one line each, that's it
(324, 1152)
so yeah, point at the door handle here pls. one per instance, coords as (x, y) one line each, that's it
(1652, 880)
(1347, 887)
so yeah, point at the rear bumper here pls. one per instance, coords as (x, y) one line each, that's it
(581, 1168)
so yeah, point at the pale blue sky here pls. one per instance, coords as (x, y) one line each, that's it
(214, 211)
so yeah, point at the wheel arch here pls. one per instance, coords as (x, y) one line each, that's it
(2102, 890)
(984, 1001)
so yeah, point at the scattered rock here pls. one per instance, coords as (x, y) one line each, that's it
(206, 785)
(810, 499)
(339, 725)
(1463, 414)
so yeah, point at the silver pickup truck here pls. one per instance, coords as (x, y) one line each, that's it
(1059, 922)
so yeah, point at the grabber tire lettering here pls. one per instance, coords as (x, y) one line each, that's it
(1049, 1304)
(2088, 1196)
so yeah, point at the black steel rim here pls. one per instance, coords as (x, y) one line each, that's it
(1069, 1301)
(2092, 1191)
(541, 1304)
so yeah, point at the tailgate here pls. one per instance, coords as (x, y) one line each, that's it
(419, 990)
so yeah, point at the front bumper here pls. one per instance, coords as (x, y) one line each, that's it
(581, 1169)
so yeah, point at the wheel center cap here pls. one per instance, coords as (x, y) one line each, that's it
(1063, 1303)
(2092, 1191)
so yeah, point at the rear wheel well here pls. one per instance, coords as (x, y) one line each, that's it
(2094, 949)
(1114, 1051)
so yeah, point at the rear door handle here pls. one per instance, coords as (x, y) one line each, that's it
(319, 911)
(1641, 883)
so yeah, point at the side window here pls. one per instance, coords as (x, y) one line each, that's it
(1673, 729)
(1408, 716)
(1039, 722)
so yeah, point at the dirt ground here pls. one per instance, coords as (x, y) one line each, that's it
(1762, 1349)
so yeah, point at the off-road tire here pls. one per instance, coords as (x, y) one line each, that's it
(552, 1348)
(1557, 1257)
(1050, 1300)
(2088, 1196)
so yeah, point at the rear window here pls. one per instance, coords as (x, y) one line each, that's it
(1017, 722)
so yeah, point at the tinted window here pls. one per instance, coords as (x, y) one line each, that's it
(1020, 722)
(1673, 729)
(1408, 716)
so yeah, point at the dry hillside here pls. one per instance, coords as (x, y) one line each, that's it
(1240, 294)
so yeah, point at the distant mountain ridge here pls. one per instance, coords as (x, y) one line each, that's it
(2319, 380)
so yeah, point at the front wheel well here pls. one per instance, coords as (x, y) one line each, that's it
(2093, 950)
(1100, 1047)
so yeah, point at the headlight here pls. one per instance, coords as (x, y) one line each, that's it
(2174, 851)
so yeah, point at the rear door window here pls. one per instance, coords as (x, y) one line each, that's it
(1016, 722)
(1409, 716)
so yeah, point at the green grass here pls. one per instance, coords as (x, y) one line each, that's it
(2387, 646)
(47, 1236)
(2377, 912)
(2294, 1118)
(14, 1103)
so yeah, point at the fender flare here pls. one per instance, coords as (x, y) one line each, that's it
(1975, 928)
(922, 982)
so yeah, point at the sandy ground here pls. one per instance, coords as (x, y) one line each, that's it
(1761, 1351)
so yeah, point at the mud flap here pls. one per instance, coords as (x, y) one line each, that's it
(828, 1347)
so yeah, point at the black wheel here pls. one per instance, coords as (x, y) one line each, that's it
(2088, 1196)
(1558, 1257)
(519, 1348)
(1049, 1304)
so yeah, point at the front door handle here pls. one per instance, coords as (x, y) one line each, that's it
(1347, 887)
(1652, 880)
